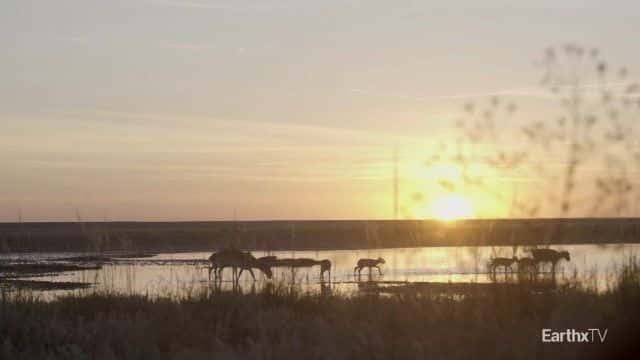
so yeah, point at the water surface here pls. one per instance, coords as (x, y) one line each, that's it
(175, 273)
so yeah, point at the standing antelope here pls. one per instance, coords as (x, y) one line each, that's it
(550, 256)
(527, 264)
(368, 263)
(325, 265)
(236, 259)
(504, 262)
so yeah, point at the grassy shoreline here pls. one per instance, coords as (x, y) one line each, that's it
(279, 324)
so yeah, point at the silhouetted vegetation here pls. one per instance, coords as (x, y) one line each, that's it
(595, 126)
(280, 324)
(315, 235)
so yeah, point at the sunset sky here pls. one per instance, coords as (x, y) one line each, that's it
(210, 110)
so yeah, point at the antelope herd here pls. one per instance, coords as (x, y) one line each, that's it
(530, 264)
(239, 261)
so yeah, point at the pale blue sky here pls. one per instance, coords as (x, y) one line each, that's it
(167, 109)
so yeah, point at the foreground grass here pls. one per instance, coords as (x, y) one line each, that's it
(277, 324)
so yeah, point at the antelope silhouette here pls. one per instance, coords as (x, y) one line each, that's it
(236, 259)
(368, 263)
(325, 265)
(527, 264)
(495, 263)
(550, 256)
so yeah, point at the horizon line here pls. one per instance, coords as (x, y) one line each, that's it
(580, 218)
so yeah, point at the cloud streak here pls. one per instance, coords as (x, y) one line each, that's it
(591, 89)
(189, 46)
(235, 6)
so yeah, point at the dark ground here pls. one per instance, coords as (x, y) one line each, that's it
(278, 324)
(312, 235)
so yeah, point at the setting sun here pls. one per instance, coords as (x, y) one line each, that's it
(451, 207)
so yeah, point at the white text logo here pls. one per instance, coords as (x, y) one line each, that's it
(574, 336)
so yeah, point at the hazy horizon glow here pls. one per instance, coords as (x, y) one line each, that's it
(182, 110)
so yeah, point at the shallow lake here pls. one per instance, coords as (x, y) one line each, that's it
(174, 273)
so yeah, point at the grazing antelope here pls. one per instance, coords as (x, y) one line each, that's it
(236, 259)
(504, 262)
(368, 263)
(550, 256)
(261, 263)
(325, 265)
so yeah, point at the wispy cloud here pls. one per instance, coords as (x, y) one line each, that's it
(214, 5)
(235, 6)
(519, 92)
(590, 89)
(189, 46)
(262, 127)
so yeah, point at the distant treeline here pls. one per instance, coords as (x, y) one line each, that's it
(310, 235)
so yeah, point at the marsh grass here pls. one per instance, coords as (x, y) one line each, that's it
(279, 322)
